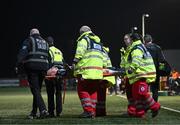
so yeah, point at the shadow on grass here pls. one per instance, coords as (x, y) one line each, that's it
(72, 119)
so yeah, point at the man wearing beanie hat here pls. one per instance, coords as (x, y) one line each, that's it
(53, 87)
(33, 55)
(88, 68)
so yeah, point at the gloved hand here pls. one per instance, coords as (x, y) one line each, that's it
(16, 70)
(122, 50)
(19, 69)
(73, 67)
(61, 72)
(130, 71)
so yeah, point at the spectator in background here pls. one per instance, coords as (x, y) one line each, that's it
(158, 57)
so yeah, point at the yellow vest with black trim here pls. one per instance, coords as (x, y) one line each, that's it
(141, 65)
(90, 57)
(107, 63)
(56, 56)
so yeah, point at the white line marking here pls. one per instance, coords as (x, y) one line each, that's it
(163, 107)
(170, 109)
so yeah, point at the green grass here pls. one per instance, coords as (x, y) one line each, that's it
(15, 105)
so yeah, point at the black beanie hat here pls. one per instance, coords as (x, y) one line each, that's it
(50, 40)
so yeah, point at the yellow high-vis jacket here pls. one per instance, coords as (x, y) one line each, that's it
(138, 63)
(89, 57)
(56, 56)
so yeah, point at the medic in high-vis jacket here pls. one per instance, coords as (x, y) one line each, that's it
(88, 69)
(140, 71)
(105, 83)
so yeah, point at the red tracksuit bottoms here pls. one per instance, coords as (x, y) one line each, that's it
(140, 99)
(87, 92)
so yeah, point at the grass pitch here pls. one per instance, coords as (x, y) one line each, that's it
(15, 105)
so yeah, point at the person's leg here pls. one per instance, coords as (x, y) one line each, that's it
(141, 95)
(155, 88)
(84, 95)
(101, 99)
(84, 87)
(131, 109)
(140, 89)
(32, 77)
(92, 90)
(58, 97)
(40, 101)
(50, 96)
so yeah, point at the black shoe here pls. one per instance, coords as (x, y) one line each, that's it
(87, 115)
(146, 109)
(44, 114)
(58, 114)
(100, 115)
(32, 116)
(51, 115)
(155, 113)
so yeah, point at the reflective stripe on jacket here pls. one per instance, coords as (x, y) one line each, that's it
(39, 51)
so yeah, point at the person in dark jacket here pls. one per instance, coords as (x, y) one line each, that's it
(158, 57)
(33, 56)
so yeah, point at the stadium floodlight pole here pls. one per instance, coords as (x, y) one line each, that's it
(143, 23)
(133, 29)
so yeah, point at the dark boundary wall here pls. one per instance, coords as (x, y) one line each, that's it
(173, 57)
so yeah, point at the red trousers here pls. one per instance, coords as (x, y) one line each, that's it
(101, 98)
(140, 99)
(87, 92)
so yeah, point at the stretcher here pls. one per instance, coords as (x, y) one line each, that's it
(54, 72)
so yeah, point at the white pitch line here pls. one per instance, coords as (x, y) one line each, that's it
(163, 107)
(170, 109)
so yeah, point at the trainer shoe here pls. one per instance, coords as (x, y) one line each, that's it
(32, 116)
(44, 114)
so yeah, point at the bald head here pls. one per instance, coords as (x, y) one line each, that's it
(34, 31)
(84, 29)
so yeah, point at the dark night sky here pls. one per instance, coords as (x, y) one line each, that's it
(62, 20)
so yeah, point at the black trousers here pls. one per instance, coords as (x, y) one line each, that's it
(101, 98)
(155, 87)
(113, 89)
(35, 79)
(54, 87)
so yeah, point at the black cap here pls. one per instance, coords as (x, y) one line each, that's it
(147, 38)
(50, 40)
(135, 36)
